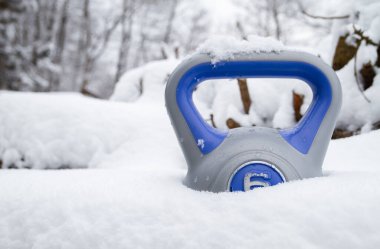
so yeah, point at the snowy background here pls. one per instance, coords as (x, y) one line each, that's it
(82, 87)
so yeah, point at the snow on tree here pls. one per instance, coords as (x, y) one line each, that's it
(88, 45)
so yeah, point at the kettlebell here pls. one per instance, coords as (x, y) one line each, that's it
(246, 158)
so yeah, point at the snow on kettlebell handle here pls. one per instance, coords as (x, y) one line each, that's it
(249, 157)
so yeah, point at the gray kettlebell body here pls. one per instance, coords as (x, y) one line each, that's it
(245, 158)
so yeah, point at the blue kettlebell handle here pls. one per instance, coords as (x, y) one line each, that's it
(300, 136)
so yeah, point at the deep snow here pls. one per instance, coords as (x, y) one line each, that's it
(135, 199)
(132, 196)
(64, 129)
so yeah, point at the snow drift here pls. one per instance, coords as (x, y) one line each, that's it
(141, 201)
(71, 131)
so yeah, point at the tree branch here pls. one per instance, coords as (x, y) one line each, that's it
(303, 11)
(357, 81)
(107, 35)
(363, 37)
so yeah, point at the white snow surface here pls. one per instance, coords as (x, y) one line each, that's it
(133, 197)
(146, 81)
(68, 130)
(221, 47)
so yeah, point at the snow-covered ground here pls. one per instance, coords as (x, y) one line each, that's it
(132, 197)
(125, 189)
(68, 130)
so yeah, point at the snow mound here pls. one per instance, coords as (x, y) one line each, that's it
(68, 130)
(147, 82)
(227, 47)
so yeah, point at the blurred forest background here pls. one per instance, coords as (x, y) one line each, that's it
(87, 46)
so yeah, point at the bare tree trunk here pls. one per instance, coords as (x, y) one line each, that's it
(169, 25)
(297, 104)
(50, 17)
(246, 100)
(244, 94)
(267, 21)
(274, 8)
(10, 12)
(91, 46)
(126, 35)
(87, 42)
(241, 30)
(37, 32)
(61, 33)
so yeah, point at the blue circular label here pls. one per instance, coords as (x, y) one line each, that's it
(255, 175)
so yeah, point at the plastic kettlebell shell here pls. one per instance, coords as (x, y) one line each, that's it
(213, 157)
(300, 136)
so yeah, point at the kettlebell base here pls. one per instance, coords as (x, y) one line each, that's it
(265, 148)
